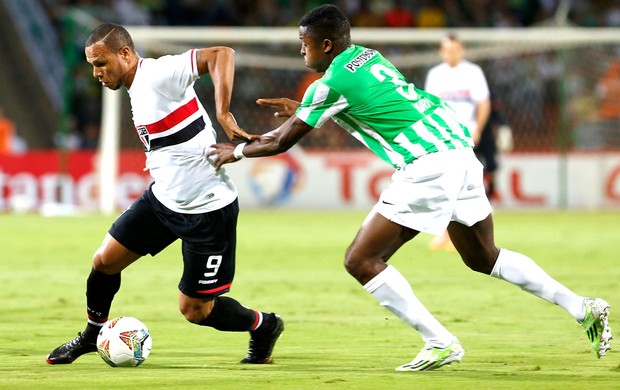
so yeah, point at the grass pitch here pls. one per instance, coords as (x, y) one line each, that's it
(336, 336)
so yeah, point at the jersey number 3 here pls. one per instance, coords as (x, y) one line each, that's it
(381, 72)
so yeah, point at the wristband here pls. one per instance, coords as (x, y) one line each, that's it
(238, 152)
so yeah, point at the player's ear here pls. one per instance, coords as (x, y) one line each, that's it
(124, 52)
(328, 45)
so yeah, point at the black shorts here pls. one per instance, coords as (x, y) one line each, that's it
(486, 150)
(208, 241)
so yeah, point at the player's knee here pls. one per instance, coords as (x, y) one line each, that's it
(358, 266)
(351, 262)
(192, 315)
(480, 263)
(195, 312)
(102, 263)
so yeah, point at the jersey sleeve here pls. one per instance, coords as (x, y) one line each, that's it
(177, 72)
(320, 103)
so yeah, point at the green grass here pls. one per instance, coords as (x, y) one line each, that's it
(337, 336)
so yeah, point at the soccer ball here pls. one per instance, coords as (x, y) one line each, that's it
(124, 342)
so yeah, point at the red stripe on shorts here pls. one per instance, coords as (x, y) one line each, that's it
(214, 290)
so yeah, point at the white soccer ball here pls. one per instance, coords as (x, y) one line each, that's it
(124, 342)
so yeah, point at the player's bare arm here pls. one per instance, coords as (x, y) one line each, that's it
(219, 62)
(268, 144)
(483, 111)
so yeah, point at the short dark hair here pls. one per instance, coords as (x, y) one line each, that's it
(452, 37)
(114, 36)
(328, 22)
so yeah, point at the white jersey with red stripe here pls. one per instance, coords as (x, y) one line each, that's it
(176, 132)
(462, 86)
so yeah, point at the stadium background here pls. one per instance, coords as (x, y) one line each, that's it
(559, 107)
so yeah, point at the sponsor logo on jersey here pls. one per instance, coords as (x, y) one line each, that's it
(168, 131)
(360, 60)
(461, 95)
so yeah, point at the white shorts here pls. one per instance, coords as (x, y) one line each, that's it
(434, 190)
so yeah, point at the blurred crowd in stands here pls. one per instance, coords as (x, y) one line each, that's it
(86, 100)
(362, 13)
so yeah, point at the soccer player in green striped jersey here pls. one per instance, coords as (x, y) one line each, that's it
(401, 125)
(437, 182)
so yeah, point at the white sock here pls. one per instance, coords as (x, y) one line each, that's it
(523, 272)
(393, 292)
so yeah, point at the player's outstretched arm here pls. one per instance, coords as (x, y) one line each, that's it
(268, 144)
(219, 62)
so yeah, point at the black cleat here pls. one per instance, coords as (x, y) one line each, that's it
(71, 350)
(261, 344)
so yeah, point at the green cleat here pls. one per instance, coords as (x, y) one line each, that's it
(431, 358)
(596, 325)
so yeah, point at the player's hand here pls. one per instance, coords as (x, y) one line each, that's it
(238, 134)
(284, 107)
(220, 154)
(475, 136)
(232, 129)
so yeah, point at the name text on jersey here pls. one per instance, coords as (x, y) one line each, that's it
(360, 60)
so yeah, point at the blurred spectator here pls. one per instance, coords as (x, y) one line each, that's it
(608, 93)
(612, 15)
(455, 15)
(462, 84)
(7, 134)
(585, 13)
(399, 15)
(584, 121)
(524, 11)
(550, 71)
(258, 13)
(464, 87)
(479, 13)
(608, 90)
(130, 13)
(90, 136)
(365, 16)
(431, 15)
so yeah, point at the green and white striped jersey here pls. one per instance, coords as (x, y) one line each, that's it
(367, 96)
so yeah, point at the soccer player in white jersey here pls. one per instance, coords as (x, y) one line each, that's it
(188, 199)
(462, 84)
(437, 182)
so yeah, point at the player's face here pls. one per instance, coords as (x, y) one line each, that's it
(314, 51)
(108, 67)
(451, 52)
